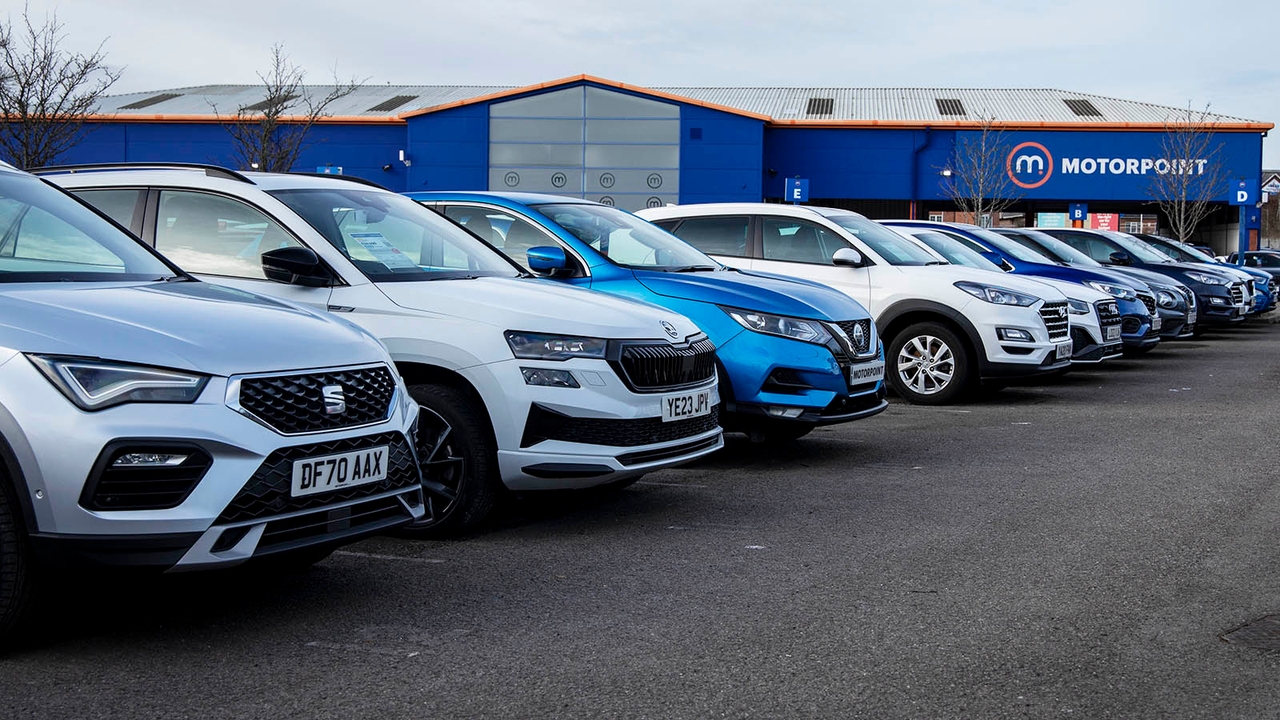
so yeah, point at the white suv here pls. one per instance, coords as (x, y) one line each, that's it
(522, 383)
(945, 327)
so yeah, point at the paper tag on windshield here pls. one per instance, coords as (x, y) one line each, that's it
(383, 251)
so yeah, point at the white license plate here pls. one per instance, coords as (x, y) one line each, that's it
(1113, 333)
(687, 405)
(1157, 322)
(866, 373)
(1064, 351)
(343, 470)
(1191, 318)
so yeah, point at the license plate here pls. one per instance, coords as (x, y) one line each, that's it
(1113, 333)
(342, 470)
(866, 373)
(1191, 318)
(1157, 322)
(687, 405)
(1064, 351)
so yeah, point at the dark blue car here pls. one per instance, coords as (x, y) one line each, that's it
(792, 354)
(1264, 288)
(1135, 299)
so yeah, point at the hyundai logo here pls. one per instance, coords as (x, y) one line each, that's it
(1029, 165)
(335, 400)
(671, 330)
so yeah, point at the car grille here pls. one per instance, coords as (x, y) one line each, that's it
(1108, 313)
(655, 368)
(296, 404)
(361, 518)
(850, 328)
(1189, 296)
(1237, 293)
(1055, 320)
(544, 424)
(1149, 301)
(268, 492)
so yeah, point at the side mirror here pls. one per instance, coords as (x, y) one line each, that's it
(1120, 258)
(546, 260)
(295, 266)
(847, 257)
(996, 258)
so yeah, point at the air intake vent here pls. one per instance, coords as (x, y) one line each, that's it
(949, 106)
(1083, 108)
(820, 106)
(270, 102)
(148, 102)
(392, 104)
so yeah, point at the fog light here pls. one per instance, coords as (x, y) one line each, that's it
(1217, 301)
(548, 378)
(1014, 334)
(784, 412)
(149, 460)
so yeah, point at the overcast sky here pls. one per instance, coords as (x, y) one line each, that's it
(1170, 52)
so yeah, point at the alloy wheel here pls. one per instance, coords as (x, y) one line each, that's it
(926, 365)
(443, 467)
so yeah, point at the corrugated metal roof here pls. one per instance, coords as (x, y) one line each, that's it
(783, 104)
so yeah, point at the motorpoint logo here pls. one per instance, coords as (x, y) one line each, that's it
(1029, 165)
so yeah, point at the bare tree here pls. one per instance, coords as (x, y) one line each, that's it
(978, 179)
(270, 135)
(46, 91)
(1189, 175)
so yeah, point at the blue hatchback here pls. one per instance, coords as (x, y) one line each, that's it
(793, 354)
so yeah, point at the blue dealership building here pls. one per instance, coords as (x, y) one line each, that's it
(882, 151)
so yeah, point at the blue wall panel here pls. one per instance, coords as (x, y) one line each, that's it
(450, 149)
(723, 163)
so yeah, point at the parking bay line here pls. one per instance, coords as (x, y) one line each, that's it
(379, 556)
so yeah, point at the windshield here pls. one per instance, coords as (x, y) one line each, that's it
(1054, 247)
(625, 239)
(956, 252)
(895, 249)
(1006, 245)
(1138, 248)
(49, 237)
(391, 238)
(1178, 251)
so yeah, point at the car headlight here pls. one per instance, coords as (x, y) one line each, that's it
(997, 295)
(1206, 278)
(536, 346)
(94, 384)
(1116, 291)
(788, 327)
(1077, 307)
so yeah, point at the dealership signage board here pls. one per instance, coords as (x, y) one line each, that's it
(797, 190)
(1077, 211)
(1104, 221)
(1051, 220)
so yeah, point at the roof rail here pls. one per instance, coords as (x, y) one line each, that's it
(348, 178)
(211, 170)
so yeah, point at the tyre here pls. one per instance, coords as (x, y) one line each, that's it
(458, 459)
(17, 571)
(929, 364)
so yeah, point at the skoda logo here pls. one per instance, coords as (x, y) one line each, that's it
(335, 400)
(671, 330)
(859, 336)
(1029, 165)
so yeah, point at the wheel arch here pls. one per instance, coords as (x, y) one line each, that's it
(416, 373)
(902, 315)
(12, 479)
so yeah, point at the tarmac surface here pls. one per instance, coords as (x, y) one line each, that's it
(1073, 549)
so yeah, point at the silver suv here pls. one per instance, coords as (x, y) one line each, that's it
(149, 419)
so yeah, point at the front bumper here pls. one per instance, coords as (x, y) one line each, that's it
(239, 508)
(1005, 359)
(1218, 306)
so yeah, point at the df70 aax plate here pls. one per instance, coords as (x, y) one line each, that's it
(341, 470)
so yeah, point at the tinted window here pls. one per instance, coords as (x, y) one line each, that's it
(204, 233)
(713, 235)
(119, 205)
(1096, 248)
(391, 238)
(1267, 260)
(799, 241)
(513, 235)
(895, 249)
(46, 236)
(624, 238)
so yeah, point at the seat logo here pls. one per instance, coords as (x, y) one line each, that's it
(335, 400)
(1029, 165)
(671, 330)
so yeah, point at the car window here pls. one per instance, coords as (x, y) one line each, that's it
(46, 236)
(1267, 260)
(625, 239)
(792, 240)
(895, 249)
(117, 204)
(514, 236)
(954, 250)
(1097, 249)
(216, 235)
(713, 235)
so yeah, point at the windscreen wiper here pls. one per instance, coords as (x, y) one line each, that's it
(690, 268)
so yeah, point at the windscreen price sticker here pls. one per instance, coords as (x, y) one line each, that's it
(383, 251)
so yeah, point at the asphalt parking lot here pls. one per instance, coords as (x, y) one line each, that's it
(1073, 549)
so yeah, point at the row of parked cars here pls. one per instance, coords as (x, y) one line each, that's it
(201, 368)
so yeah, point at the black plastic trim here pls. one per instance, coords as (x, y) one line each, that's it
(566, 470)
(18, 482)
(648, 456)
(113, 448)
(159, 552)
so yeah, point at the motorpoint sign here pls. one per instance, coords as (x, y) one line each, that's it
(1029, 165)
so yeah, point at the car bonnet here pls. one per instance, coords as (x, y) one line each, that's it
(755, 291)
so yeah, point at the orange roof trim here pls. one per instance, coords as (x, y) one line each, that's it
(1009, 125)
(348, 119)
(578, 79)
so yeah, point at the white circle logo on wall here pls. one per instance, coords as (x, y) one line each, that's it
(654, 180)
(559, 179)
(512, 179)
(606, 180)
(653, 202)
(606, 200)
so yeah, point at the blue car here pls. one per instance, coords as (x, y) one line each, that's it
(1135, 299)
(792, 354)
(1264, 288)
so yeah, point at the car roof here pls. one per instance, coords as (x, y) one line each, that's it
(694, 209)
(203, 176)
(523, 198)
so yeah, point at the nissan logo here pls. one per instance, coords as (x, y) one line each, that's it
(670, 330)
(859, 336)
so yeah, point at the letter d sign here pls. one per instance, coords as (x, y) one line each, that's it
(1244, 193)
(1242, 197)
